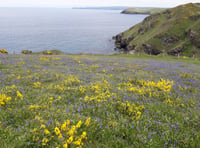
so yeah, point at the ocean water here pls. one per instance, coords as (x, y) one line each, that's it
(69, 30)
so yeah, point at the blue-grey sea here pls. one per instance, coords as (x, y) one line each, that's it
(69, 30)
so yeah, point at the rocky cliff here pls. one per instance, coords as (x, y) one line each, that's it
(173, 31)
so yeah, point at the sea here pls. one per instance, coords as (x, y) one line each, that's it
(72, 31)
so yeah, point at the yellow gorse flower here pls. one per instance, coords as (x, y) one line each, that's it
(87, 122)
(34, 106)
(37, 85)
(60, 136)
(57, 131)
(70, 140)
(77, 142)
(4, 99)
(72, 130)
(35, 130)
(42, 126)
(3, 51)
(64, 126)
(164, 85)
(65, 145)
(44, 141)
(78, 125)
(168, 101)
(83, 136)
(46, 132)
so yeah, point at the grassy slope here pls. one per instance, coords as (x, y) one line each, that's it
(55, 88)
(142, 11)
(176, 23)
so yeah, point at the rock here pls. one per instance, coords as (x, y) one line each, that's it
(123, 44)
(176, 51)
(194, 37)
(168, 40)
(149, 49)
(195, 17)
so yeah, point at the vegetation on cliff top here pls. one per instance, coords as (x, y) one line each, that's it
(142, 11)
(173, 31)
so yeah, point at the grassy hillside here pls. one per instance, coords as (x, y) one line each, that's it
(91, 101)
(173, 31)
(142, 11)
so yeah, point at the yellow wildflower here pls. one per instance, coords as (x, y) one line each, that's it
(87, 122)
(46, 132)
(77, 142)
(43, 126)
(19, 77)
(65, 145)
(60, 136)
(83, 136)
(168, 101)
(19, 95)
(64, 126)
(4, 99)
(78, 125)
(35, 130)
(34, 106)
(44, 141)
(138, 114)
(141, 107)
(37, 85)
(70, 140)
(72, 131)
(57, 131)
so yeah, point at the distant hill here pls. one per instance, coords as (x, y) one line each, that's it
(103, 8)
(142, 11)
(173, 31)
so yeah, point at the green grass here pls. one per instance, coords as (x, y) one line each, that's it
(143, 11)
(132, 101)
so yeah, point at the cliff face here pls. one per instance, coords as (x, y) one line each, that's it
(173, 31)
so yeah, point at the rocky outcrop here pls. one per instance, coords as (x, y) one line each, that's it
(149, 49)
(176, 51)
(194, 37)
(145, 28)
(123, 44)
(168, 40)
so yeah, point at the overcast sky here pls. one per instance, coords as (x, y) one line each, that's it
(77, 3)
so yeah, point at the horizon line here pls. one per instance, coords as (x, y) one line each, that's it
(79, 6)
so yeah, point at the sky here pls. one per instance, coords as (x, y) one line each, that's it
(83, 3)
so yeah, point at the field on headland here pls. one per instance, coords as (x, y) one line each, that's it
(98, 101)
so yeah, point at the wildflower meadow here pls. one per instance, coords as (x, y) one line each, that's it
(63, 101)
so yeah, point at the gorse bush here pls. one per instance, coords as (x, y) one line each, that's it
(3, 51)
